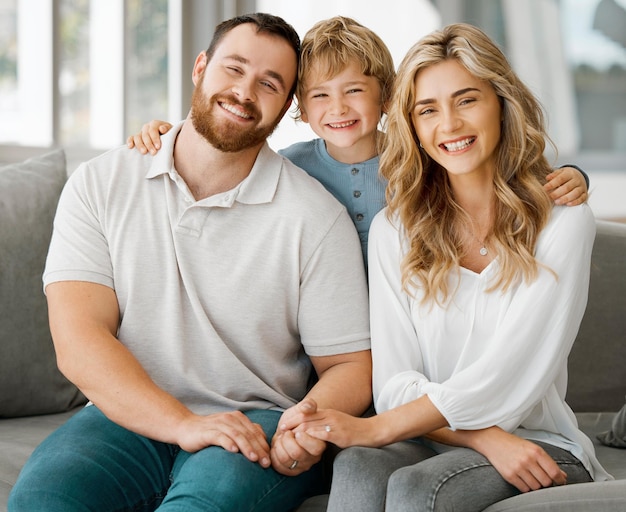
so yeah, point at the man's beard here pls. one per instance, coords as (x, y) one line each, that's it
(226, 136)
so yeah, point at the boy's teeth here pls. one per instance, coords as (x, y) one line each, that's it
(341, 125)
(458, 145)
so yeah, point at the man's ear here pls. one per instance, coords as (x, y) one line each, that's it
(198, 67)
(286, 107)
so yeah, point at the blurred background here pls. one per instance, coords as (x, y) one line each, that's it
(84, 74)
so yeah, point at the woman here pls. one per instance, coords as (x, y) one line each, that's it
(478, 285)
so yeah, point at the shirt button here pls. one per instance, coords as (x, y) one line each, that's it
(357, 193)
(354, 171)
(359, 216)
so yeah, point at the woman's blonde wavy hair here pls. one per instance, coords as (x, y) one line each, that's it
(419, 192)
(333, 44)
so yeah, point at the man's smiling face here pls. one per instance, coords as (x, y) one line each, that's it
(242, 93)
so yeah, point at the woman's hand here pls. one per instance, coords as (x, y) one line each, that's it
(566, 186)
(520, 462)
(149, 138)
(332, 426)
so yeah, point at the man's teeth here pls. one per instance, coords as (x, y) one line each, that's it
(234, 110)
(458, 145)
(341, 125)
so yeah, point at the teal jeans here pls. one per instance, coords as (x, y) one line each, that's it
(92, 464)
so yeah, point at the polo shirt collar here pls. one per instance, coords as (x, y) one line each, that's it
(260, 185)
(163, 162)
(257, 188)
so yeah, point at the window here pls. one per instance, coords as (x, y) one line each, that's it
(83, 79)
(595, 47)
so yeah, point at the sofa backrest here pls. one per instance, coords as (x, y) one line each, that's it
(597, 363)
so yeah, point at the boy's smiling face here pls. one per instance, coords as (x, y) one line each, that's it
(344, 111)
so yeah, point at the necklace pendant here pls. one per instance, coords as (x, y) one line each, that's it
(483, 251)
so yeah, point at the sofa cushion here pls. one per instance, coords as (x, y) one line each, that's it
(599, 352)
(616, 435)
(30, 382)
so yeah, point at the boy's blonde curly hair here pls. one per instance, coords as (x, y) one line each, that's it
(333, 44)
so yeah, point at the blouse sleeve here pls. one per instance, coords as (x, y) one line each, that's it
(395, 352)
(527, 353)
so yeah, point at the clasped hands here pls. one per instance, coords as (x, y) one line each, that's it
(292, 451)
(303, 432)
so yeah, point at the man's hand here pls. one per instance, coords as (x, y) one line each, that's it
(295, 452)
(233, 431)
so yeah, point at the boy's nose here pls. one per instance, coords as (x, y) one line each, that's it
(339, 107)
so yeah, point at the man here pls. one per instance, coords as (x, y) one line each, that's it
(190, 295)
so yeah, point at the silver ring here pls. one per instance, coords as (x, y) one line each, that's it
(327, 428)
(293, 464)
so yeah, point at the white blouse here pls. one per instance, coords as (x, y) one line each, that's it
(487, 358)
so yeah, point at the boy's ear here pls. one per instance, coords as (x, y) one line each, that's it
(303, 117)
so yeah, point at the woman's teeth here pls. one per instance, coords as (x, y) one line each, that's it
(458, 145)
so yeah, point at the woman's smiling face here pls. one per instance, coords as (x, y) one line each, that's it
(457, 118)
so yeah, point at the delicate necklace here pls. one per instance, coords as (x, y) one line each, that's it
(483, 248)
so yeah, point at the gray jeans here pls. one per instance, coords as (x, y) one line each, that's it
(410, 476)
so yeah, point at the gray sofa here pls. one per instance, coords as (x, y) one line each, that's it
(35, 398)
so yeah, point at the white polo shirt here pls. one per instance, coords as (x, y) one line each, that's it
(220, 299)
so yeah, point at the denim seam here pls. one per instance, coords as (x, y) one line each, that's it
(444, 480)
(451, 475)
(270, 491)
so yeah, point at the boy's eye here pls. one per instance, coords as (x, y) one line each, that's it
(352, 91)
(319, 95)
